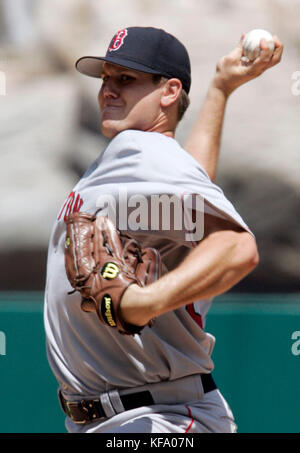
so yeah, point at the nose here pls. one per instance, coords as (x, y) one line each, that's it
(109, 89)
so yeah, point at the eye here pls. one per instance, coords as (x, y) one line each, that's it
(104, 77)
(125, 78)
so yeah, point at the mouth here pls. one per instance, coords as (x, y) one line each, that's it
(111, 107)
(110, 110)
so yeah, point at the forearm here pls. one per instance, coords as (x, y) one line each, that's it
(213, 267)
(204, 140)
(203, 143)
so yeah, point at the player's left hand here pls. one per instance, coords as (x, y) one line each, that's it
(232, 71)
(102, 263)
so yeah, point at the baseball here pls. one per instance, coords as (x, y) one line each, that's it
(251, 43)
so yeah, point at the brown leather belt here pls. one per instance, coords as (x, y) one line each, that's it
(84, 411)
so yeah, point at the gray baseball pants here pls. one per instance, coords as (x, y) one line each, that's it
(191, 411)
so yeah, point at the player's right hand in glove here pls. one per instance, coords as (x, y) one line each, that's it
(101, 263)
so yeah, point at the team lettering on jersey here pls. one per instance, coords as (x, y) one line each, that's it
(72, 204)
(118, 40)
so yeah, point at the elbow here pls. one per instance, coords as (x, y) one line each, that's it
(249, 253)
(253, 260)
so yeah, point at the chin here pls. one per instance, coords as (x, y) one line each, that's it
(108, 130)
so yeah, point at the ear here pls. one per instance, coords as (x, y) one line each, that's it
(171, 92)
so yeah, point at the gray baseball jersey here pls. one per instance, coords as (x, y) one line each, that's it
(87, 357)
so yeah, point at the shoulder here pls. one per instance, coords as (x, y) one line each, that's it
(156, 142)
(122, 139)
(166, 151)
(148, 139)
(155, 152)
(122, 145)
(133, 140)
(144, 139)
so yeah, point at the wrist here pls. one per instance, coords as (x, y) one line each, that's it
(220, 86)
(135, 307)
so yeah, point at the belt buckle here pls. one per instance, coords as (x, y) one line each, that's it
(93, 412)
(69, 405)
(89, 407)
(66, 406)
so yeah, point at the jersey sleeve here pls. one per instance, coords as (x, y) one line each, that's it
(171, 169)
(152, 169)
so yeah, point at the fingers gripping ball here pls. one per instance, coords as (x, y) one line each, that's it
(251, 43)
(102, 262)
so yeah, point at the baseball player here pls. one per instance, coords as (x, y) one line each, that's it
(158, 378)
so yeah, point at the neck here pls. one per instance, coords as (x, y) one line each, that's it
(163, 129)
(164, 124)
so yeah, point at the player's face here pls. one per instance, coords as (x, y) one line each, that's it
(129, 99)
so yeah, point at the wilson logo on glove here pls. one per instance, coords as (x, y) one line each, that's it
(101, 262)
(107, 311)
(110, 271)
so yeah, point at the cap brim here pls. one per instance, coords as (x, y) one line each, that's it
(93, 66)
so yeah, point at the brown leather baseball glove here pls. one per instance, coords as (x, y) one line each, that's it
(102, 262)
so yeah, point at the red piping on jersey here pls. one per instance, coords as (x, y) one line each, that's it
(196, 317)
(191, 416)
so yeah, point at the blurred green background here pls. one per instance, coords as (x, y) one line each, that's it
(256, 369)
